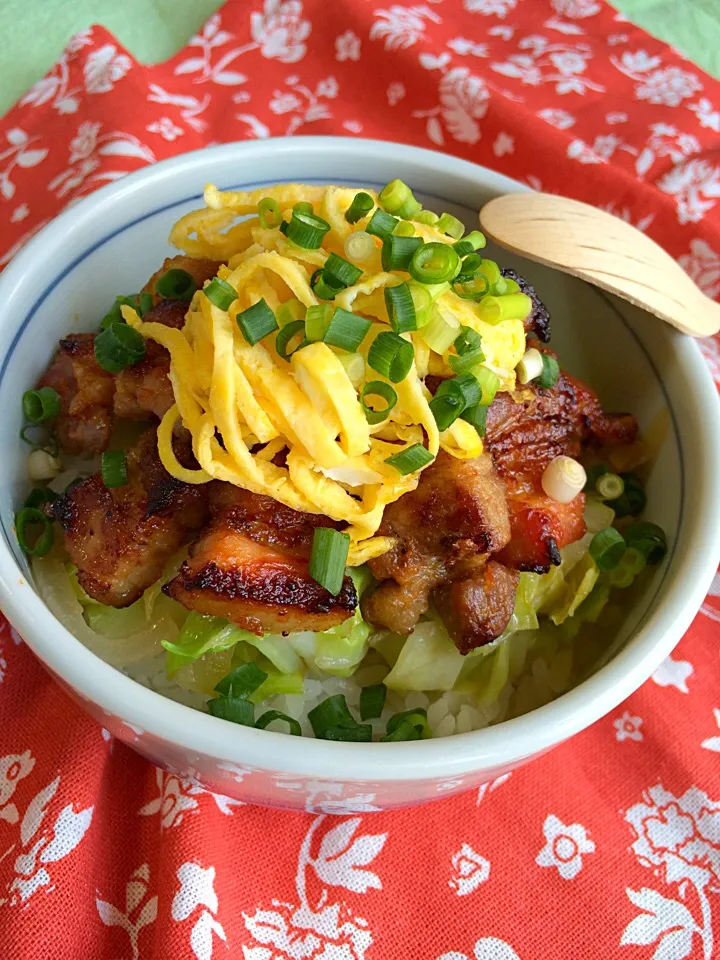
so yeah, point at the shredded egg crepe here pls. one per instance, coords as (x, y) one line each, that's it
(245, 403)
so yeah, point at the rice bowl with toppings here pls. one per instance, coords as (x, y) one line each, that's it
(332, 480)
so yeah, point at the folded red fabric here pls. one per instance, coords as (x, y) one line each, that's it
(611, 840)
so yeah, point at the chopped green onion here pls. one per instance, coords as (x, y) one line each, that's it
(397, 252)
(317, 321)
(381, 224)
(434, 263)
(467, 342)
(404, 229)
(257, 322)
(422, 302)
(427, 217)
(633, 500)
(551, 369)
(269, 212)
(283, 227)
(113, 467)
(634, 561)
(271, 716)
(141, 303)
(40, 405)
(607, 548)
(286, 335)
(488, 268)
(470, 243)
(39, 496)
(500, 288)
(360, 246)
(445, 410)
(354, 366)
(235, 709)
(360, 207)
(593, 475)
(471, 265)
(621, 576)
(31, 516)
(610, 486)
(289, 311)
(360, 733)
(489, 384)
(465, 389)
(372, 701)
(417, 717)
(403, 732)
(341, 271)
(303, 206)
(400, 308)
(324, 287)
(378, 388)
(649, 539)
(242, 681)
(307, 230)
(220, 293)
(330, 714)
(346, 330)
(328, 558)
(514, 306)
(397, 198)
(176, 285)
(512, 286)
(472, 288)
(477, 416)
(118, 346)
(441, 331)
(411, 459)
(530, 367)
(451, 226)
(391, 355)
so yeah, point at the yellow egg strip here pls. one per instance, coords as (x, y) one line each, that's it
(167, 454)
(242, 202)
(292, 273)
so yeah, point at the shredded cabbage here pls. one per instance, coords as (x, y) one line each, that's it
(428, 660)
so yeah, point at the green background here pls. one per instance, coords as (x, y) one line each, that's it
(35, 31)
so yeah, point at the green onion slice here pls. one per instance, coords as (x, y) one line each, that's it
(341, 271)
(593, 474)
(470, 243)
(329, 714)
(633, 500)
(397, 198)
(411, 459)
(303, 206)
(400, 308)
(317, 321)
(141, 303)
(649, 539)
(329, 558)
(113, 467)
(404, 229)
(306, 229)
(221, 293)
(40, 405)
(434, 263)
(513, 306)
(176, 285)
(422, 302)
(118, 347)
(360, 733)
(391, 355)
(270, 716)
(397, 251)
(269, 212)
(477, 416)
(378, 388)
(445, 410)
(346, 330)
(451, 226)
(465, 389)
(242, 681)
(381, 224)
(403, 732)
(417, 717)
(31, 517)
(235, 709)
(257, 322)
(489, 384)
(469, 351)
(550, 372)
(470, 266)
(427, 217)
(360, 207)
(372, 701)
(289, 311)
(324, 287)
(610, 486)
(472, 288)
(607, 548)
(287, 335)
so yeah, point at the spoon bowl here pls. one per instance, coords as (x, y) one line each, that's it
(604, 250)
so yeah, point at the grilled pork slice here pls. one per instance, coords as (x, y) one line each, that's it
(477, 609)
(250, 566)
(446, 529)
(90, 397)
(120, 539)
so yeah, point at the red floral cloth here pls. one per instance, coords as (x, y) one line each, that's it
(607, 847)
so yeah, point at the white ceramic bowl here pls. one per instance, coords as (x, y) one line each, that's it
(111, 242)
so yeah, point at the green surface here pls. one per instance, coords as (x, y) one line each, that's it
(153, 30)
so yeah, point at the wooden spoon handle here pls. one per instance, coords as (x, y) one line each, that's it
(605, 250)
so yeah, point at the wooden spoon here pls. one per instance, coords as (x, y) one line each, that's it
(604, 250)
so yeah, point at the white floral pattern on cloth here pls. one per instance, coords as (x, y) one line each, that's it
(303, 104)
(628, 727)
(487, 948)
(678, 839)
(401, 27)
(712, 743)
(673, 673)
(326, 931)
(197, 889)
(178, 798)
(140, 910)
(469, 870)
(565, 846)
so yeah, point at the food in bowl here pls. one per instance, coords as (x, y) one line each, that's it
(324, 474)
